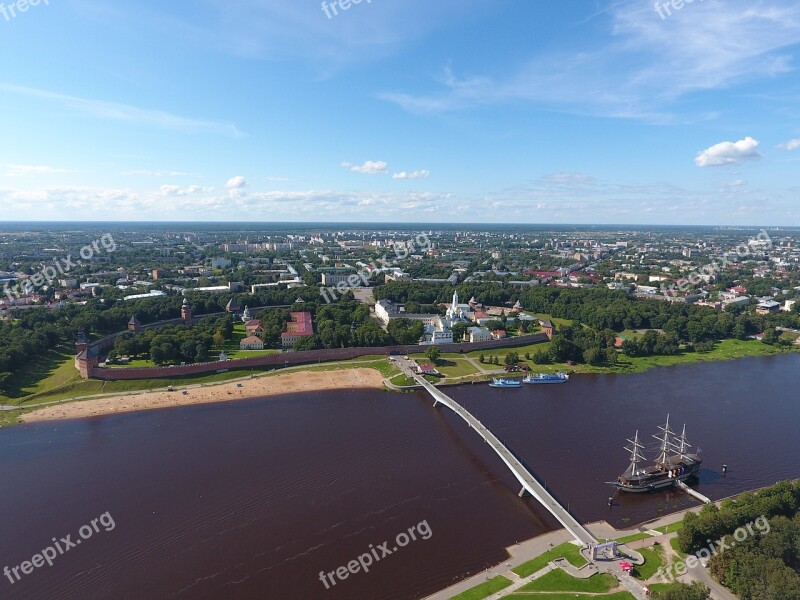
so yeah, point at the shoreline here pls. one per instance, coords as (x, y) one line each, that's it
(526, 550)
(245, 389)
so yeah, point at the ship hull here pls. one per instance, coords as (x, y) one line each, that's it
(657, 482)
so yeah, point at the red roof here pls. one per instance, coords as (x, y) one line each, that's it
(301, 324)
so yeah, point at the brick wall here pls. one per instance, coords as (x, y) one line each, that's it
(299, 358)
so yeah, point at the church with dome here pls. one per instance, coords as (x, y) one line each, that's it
(458, 312)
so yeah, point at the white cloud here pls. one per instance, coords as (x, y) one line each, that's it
(371, 167)
(122, 112)
(729, 153)
(177, 191)
(646, 65)
(236, 183)
(23, 170)
(146, 173)
(424, 174)
(790, 145)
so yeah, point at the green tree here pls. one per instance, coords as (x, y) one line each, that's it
(433, 354)
(406, 331)
(459, 331)
(682, 591)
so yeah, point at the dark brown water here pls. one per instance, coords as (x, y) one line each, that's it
(254, 499)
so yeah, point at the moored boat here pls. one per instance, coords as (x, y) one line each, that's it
(559, 377)
(505, 383)
(674, 464)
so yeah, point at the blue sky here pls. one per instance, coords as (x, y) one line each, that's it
(518, 111)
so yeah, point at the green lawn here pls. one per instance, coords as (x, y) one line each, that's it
(456, 367)
(403, 381)
(674, 543)
(569, 551)
(55, 369)
(653, 559)
(573, 596)
(671, 528)
(633, 538)
(484, 590)
(560, 581)
(725, 350)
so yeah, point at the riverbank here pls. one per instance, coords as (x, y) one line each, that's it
(259, 387)
(533, 548)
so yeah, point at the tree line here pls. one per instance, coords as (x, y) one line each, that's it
(759, 563)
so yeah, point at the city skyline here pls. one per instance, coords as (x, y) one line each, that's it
(610, 113)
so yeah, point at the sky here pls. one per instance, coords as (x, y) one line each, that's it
(445, 111)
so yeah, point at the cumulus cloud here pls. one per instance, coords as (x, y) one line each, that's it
(177, 191)
(729, 153)
(424, 174)
(236, 183)
(790, 145)
(146, 173)
(371, 167)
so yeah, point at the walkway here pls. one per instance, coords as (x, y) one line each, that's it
(525, 477)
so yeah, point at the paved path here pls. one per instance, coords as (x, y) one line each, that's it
(699, 573)
(518, 554)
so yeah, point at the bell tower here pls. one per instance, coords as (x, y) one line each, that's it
(186, 312)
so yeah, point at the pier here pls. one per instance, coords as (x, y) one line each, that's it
(529, 483)
(694, 493)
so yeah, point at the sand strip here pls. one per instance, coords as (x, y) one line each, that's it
(260, 387)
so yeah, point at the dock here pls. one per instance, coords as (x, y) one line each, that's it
(694, 493)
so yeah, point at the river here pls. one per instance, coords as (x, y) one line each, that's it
(254, 499)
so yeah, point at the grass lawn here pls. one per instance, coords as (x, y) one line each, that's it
(568, 551)
(653, 559)
(725, 350)
(671, 528)
(573, 596)
(674, 544)
(560, 581)
(484, 590)
(456, 367)
(520, 350)
(55, 369)
(403, 381)
(633, 538)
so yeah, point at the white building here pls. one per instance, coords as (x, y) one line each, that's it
(479, 334)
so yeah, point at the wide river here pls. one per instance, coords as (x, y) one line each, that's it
(254, 499)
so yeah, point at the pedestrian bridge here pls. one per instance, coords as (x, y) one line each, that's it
(525, 477)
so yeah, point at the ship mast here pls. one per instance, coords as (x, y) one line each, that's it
(636, 455)
(683, 444)
(666, 442)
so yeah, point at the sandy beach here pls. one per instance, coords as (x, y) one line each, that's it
(259, 387)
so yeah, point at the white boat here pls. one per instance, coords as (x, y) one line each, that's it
(505, 383)
(560, 377)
